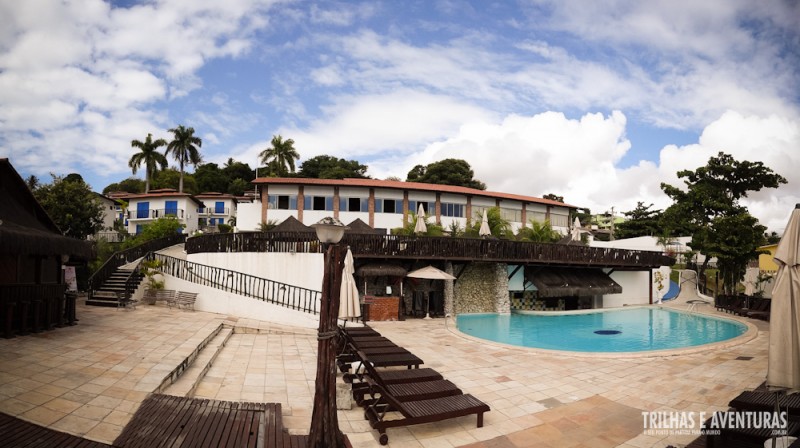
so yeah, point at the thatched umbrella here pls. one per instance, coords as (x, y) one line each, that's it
(379, 270)
(291, 225)
(360, 227)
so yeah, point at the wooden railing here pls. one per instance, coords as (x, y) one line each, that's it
(289, 296)
(122, 257)
(434, 248)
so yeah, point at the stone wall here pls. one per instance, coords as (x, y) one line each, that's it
(482, 288)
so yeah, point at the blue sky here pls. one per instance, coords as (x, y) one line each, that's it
(597, 101)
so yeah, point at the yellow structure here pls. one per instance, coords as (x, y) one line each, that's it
(766, 263)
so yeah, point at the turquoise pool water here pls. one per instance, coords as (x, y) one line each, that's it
(625, 330)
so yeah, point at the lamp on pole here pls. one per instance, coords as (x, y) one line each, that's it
(325, 432)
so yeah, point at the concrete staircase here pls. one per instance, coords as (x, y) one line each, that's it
(114, 288)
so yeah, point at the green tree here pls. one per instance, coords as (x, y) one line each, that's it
(73, 177)
(735, 241)
(772, 238)
(160, 228)
(329, 167)
(446, 172)
(148, 156)
(237, 187)
(73, 206)
(539, 232)
(32, 182)
(280, 156)
(499, 226)
(408, 229)
(129, 185)
(184, 148)
(238, 170)
(710, 204)
(642, 221)
(209, 177)
(553, 197)
(171, 178)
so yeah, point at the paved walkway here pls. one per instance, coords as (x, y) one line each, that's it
(89, 379)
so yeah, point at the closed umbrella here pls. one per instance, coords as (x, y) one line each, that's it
(485, 230)
(420, 227)
(576, 230)
(783, 367)
(749, 281)
(349, 304)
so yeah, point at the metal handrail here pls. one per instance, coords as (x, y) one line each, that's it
(270, 291)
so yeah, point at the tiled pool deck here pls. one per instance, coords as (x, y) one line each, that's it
(89, 380)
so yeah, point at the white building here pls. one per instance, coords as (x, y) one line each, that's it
(145, 208)
(111, 211)
(386, 204)
(219, 209)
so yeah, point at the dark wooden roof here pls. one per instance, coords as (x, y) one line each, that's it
(381, 269)
(564, 282)
(360, 227)
(25, 227)
(291, 224)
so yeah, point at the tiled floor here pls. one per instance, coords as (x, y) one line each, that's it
(89, 379)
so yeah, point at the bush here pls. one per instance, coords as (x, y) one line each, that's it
(224, 228)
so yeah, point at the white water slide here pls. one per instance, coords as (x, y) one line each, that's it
(689, 292)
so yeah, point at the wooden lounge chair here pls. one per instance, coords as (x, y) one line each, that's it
(762, 311)
(420, 411)
(765, 401)
(406, 391)
(733, 306)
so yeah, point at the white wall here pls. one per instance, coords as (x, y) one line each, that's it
(248, 216)
(217, 301)
(635, 289)
(299, 269)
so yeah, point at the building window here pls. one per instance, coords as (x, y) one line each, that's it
(511, 214)
(537, 216)
(388, 205)
(318, 203)
(353, 205)
(282, 202)
(559, 220)
(413, 206)
(452, 210)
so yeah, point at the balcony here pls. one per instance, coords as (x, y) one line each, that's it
(214, 211)
(155, 214)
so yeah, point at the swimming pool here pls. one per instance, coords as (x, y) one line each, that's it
(624, 330)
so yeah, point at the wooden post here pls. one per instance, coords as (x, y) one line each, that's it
(325, 432)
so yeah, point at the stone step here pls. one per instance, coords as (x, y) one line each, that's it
(188, 381)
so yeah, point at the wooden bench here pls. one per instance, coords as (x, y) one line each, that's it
(185, 299)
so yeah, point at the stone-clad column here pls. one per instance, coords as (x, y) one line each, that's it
(448, 290)
(502, 300)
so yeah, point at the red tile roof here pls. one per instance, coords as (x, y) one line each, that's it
(216, 195)
(417, 186)
(164, 193)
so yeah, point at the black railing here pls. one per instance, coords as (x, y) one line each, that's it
(289, 296)
(122, 257)
(434, 248)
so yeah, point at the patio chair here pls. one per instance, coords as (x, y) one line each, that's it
(765, 401)
(760, 311)
(421, 389)
(185, 299)
(420, 411)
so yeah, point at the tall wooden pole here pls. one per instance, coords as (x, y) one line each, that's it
(325, 432)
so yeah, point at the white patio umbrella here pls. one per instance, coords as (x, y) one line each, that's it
(749, 281)
(420, 227)
(576, 230)
(349, 304)
(485, 230)
(783, 367)
(431, 273)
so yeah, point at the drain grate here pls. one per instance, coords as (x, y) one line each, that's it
(744, 358)
(607, 332)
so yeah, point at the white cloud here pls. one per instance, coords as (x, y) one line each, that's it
(578, 159)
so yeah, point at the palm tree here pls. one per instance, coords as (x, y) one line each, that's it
(539, 232)
(280, 156)
(184, 149)
(149, 156)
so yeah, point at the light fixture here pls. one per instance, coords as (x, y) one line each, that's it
(329, 230)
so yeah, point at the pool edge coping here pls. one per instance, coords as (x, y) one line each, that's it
(750, 334)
